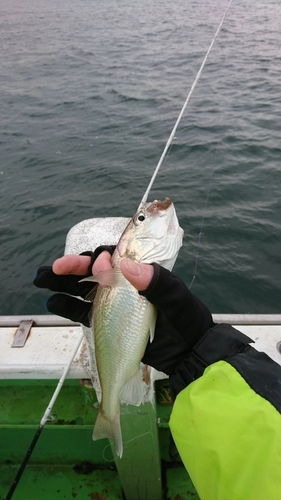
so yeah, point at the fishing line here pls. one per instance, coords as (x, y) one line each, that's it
(172, 135)
(201, 231)
(43, 421)
(103, 454)
(125, 443)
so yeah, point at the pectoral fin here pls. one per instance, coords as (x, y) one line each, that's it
(110, 277)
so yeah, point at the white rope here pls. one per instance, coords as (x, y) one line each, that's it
(172, 135)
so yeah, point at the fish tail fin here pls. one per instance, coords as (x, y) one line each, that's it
(111, 429)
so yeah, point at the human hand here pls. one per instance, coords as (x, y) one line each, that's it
(64, 277)
(139, 275)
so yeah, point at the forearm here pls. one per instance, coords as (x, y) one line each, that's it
(226, 423)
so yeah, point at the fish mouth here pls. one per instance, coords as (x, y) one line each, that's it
(159, 205)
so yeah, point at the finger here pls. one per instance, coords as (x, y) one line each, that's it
(72, 264)
(46, 278)
(102, 263)
(139, 275)
(69, 307)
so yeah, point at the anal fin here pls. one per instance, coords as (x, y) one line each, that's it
(132, 391)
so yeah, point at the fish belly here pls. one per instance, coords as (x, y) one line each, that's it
(122, 320)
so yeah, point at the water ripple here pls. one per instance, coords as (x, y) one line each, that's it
(88, 99)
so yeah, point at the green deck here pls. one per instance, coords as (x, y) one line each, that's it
(67, 464)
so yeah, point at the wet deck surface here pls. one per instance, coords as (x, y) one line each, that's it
(65, 483)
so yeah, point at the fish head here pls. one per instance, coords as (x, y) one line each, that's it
(152, 235)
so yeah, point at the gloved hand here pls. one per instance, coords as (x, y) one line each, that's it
(65, 303)
(182, 319)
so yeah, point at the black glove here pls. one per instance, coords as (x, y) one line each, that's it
(181, 321)
(65, 304)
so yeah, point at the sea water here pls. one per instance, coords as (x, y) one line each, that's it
(89, 93)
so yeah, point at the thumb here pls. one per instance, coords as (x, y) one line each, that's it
(139, 275)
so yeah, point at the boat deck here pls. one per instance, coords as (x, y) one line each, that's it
(66, 463)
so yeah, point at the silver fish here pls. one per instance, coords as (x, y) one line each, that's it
(123, 320)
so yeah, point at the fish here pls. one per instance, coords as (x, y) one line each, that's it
(122, 321)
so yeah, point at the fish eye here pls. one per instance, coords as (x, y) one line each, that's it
(139, 218)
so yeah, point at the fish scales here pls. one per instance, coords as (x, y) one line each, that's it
(118, 341)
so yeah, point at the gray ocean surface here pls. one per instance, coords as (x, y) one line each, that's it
(89, 93)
